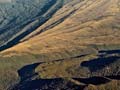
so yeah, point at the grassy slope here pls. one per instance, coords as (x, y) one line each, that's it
(83, 28)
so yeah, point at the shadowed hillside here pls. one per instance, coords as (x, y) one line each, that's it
(17, 28)
(60, 45)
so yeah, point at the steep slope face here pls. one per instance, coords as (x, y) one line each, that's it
(87, 23)
(19, 18)
(80, 42)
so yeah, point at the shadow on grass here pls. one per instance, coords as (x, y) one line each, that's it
(115, 77)
(28, 72)
(99, 63)
(110, 51)
(29, 81)
(97, 80)
(49, 84)
(94, 80)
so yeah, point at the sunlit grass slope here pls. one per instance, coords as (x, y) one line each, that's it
(79, 43)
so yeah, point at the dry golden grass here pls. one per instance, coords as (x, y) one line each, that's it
(61, 43)
(95, 22)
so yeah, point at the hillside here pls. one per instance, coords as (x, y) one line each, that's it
(60, 45)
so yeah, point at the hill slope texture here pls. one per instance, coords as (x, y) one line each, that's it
(60, 45)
